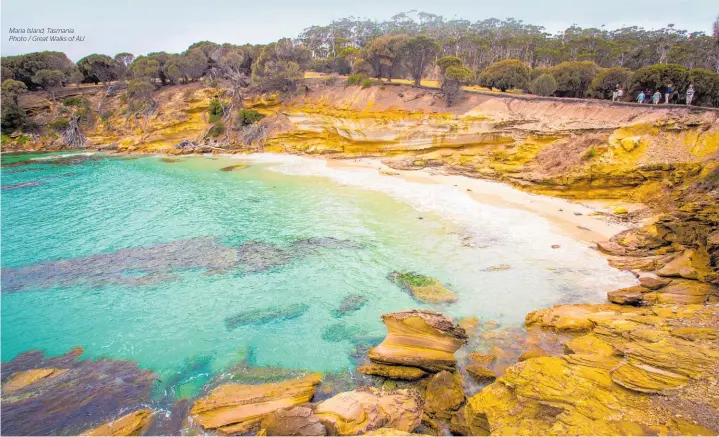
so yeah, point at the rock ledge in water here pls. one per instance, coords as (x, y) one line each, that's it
(419, 338)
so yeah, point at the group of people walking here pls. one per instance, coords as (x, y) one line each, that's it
(647, 96)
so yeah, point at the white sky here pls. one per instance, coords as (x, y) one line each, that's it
(142, 26)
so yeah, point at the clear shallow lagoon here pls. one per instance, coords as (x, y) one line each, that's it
(102, 217)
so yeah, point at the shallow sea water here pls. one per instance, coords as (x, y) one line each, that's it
(138, 259)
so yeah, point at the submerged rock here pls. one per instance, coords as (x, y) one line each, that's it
(266, 315)
(152, 263)
(421, 339)
(22, 185)
(423, 288)
(64, 396)
(341, 332)
(236, 408)
(392, 372)
(256, 256)
(159, 263)
(233, 167)
(362, 410)
(350, 304)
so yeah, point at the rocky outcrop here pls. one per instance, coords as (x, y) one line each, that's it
(419, 338)
(20, 380)
(65, 396)
(297, 421)
(236, 408)
(610, 380)
(134, 423)
(366, 409)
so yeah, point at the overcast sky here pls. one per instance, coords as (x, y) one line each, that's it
(142, 26)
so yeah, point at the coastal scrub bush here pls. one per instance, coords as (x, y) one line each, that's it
(246, 117)
(706, 87)
(589, 154)
(59, 125)
(72, 101)
(453, 77)
(510, 73)
(367, 82)
(215, 110)
(657, 77)
(574, 78)
(360, 66)
(544, 85)
(356, 79)
(608, 80)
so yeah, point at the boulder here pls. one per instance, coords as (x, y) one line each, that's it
(654, 283)
(682, 291)
(365, 409)
(680, 266)
(628, 296)
(423, 288)
(236, 408)
(482, 359)
(130, 424)
(444, 395)
(419, 338)
(532, 352)
(469, 324)
(480, 373)
(392, 372)
(295, 421)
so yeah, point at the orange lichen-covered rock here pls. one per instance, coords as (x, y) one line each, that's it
(233, 407)
(532, 352)
(482, 359)
(131, 424)
(571, 317)
(554, 396)
(480, 373)
(683, 291)
(22, 379)
(627, 296)
(419, 338)
(296, 421)
(362, 410)
(444, 395)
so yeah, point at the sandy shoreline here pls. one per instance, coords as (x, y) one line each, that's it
(568, 218)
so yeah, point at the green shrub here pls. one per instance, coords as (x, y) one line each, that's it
(59, 125)
(574, 78)
(544, 85)
(72, 101)
(706, 87)
(657, 77)
(216, 110)
(589, 154)
(607, 80)
(510, 73)
(246, 117)
(216, 130)
(356, 79)
(367, 82)
(448, 61)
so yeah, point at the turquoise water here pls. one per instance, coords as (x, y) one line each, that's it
(138, 259)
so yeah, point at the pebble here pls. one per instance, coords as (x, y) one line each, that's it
(577, 213)
(556, 246)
